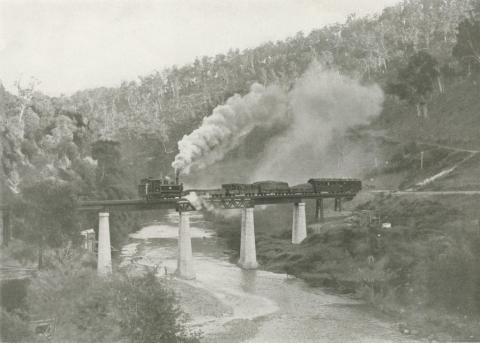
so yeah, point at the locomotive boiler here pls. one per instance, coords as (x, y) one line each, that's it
(163, 188)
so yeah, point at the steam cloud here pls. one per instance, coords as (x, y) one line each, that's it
(229, 124)
(322, 105)
(325, 104)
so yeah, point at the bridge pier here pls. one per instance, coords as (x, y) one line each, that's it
(319, 215)
(242, 237)
(104, 258)
(2, 227)
(185, 258)
(5, 229)
(338, 204)
(299, 226)
(248, 253)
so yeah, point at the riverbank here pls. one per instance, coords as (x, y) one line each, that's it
(214, 304)
(229, 304)
(397, 271)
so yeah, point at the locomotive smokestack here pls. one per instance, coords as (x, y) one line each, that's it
(177, 176)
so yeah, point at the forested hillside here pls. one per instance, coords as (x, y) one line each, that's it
(410, 49)
(423, 55)
(101, 141)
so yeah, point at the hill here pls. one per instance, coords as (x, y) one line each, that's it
(150, 115)
(423, 54)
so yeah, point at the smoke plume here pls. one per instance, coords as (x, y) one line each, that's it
(324, 104)
(229, 124)
(317, 111)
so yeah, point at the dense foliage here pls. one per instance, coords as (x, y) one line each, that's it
(47, 215)
(416, 80)
(98, 143)
(467, 49)
(86, 308)
(53, 137)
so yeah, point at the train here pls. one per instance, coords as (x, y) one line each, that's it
(165, 188)
(341, 186)
(256, 188)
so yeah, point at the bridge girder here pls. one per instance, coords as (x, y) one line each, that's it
(234, 202)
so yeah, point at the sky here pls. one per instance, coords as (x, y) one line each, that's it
(69, 45)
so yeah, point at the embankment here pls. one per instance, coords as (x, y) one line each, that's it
(424, 270)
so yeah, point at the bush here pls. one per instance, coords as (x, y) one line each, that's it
(147, 311)
(92, 309)
(453, 280)
(13, 328)
(13, 293)
(20, 251)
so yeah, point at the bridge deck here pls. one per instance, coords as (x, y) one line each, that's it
(127, 205)
(222, 201)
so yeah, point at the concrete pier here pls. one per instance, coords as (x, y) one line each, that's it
(338, 204)
(242, 238)
(5, 229)
(248, 253)
(299, 227)
(185, 268)
(2, 232)
(319, 210)
(104, 258)
(2, 227)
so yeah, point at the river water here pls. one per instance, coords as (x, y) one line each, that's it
(229, 304)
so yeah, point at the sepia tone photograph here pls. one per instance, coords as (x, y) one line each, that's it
(239, 171)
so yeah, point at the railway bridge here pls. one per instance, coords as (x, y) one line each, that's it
(185, 266)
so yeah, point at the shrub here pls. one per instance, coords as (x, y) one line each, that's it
(13, 328)
(20, 251)
(92, 309)
(147, 311)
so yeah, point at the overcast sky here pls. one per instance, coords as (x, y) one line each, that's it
(71, 44)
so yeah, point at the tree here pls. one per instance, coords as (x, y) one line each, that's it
(148, 311)
(111, 183)
(416, 80)
(467, 49)
(47, 215)
(122, 308)
(109, 169)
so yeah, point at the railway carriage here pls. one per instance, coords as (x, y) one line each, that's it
(215, 193)
(272, 187)
(236, 189)
(304, 188)
(336, 186)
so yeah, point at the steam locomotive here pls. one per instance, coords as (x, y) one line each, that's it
(163, 188)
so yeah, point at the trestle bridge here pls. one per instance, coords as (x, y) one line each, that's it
(185, 266)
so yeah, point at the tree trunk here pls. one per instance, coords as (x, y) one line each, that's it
(425, 110)
(40, 255)
(440, 85)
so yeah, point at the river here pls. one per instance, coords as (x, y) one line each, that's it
(229, 304)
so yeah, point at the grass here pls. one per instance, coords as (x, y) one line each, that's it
(423, 271)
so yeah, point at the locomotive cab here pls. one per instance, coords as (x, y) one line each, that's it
(163, 188)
